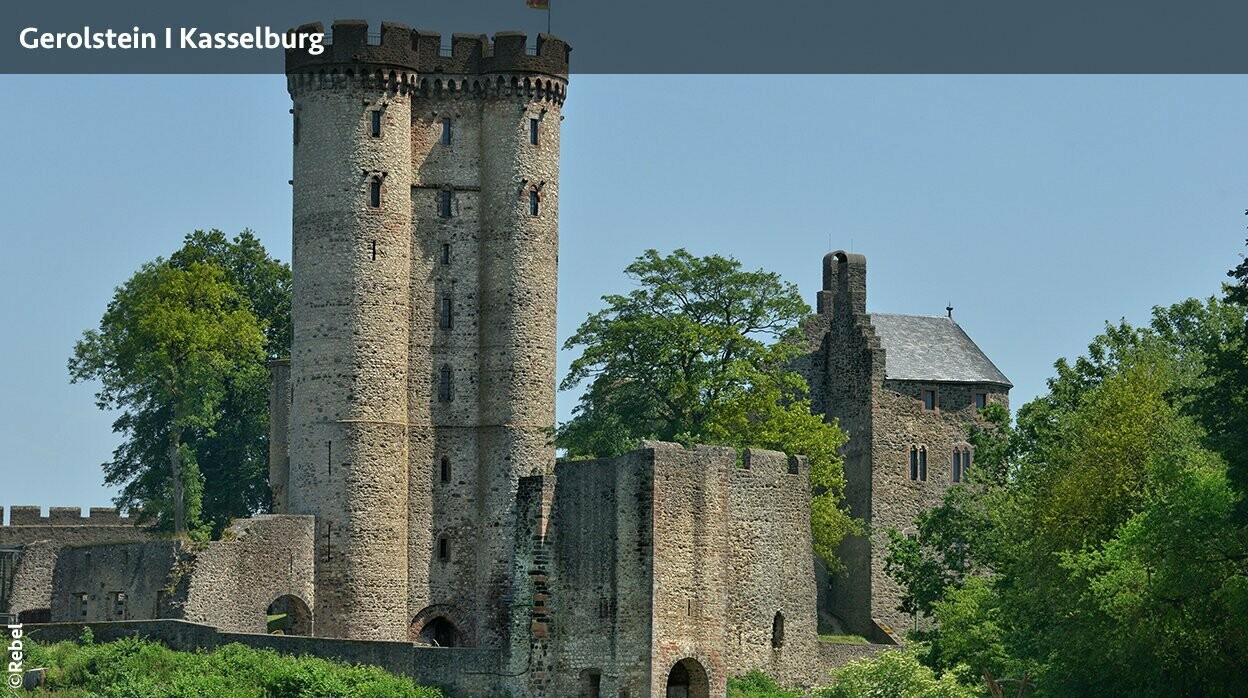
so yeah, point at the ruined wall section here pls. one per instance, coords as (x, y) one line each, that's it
(603, 602)
(771, 599)
(279, 435)
(112, 582)
(233, 581)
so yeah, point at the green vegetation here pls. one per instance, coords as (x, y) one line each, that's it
(851, 639)
(702, 352)
(1101, 548)
(181, 350)
(131, 668)
(756, 684)
(893, 674)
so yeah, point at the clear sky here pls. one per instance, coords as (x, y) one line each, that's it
(1040, 207)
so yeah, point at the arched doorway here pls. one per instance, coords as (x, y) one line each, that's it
(688, 679)
(440, 632)
(441, 625)
(289, 615)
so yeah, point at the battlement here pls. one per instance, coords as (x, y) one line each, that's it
(398, 50)
(67, 516)
(756, 460)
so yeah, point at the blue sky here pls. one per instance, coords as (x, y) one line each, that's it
(1040, 207)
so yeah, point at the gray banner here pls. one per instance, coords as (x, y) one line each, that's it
(666, 36)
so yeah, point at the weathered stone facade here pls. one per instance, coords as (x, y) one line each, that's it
(905, 388)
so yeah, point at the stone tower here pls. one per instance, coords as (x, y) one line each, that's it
(422, 374)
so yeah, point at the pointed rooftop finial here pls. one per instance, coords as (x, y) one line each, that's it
(949, 310)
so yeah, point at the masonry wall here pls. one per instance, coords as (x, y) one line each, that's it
(602, 605)
(902, 423)
(39, 538)
(771, 587)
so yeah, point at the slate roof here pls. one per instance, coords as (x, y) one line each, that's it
(932, 348)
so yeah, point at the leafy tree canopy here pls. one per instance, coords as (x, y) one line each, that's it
(702, 352)
(181, 351)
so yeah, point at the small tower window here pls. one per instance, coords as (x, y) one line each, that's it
(446, 130)
(374, 192)
(446, 314)
(444, 549)
(922, 464)
(375, 123)
(777, 631)
(981, 400)
(957, 464)
(444, 203)
(534, 202)
(929, 399)
(444, 384)
(446, 253)
(914, 463)
(533, 131)
(445, 475)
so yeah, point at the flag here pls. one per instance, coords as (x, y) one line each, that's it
(538, 4)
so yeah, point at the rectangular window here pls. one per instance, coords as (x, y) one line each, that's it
(374, 193)
(914, 463)
(444, 549)
(446, 313)
(444, 385)
(981, 400)
(929, 399)
(957, 465)
(446, 253)
(446, 130)
(922, 465)
(534, 201)
(375, 123)
(444, 204)
(533, 131)
(119, 605)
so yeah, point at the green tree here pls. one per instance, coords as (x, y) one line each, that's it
(233, 452)
(163, 354)
(702, 351)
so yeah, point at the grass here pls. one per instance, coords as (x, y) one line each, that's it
(132, 668)
(851, 639)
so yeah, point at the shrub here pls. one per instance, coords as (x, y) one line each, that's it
(756, 684)
(892, 674)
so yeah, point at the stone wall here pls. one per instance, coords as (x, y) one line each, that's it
(37, 539)
(229, 583)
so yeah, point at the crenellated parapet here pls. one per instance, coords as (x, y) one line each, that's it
(399, 55)
(67, 516)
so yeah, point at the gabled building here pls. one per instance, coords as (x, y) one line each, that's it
(905, 388)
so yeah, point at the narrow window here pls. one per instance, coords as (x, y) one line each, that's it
(446, 469)
(446, 313)
(534, 199)
(119, 605)
(444, 204)
(374, 193)
(777, 631)
(929, 399)
(82, 604)
(966, 462)
(533, 131)
(373, 250)
(981, 400)
(329, 529)
(922, 464)
(375, 126)
(446, 253)
(957, 464)
(446, 130)
(914, 463)
(444, 549)
(444, 384)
